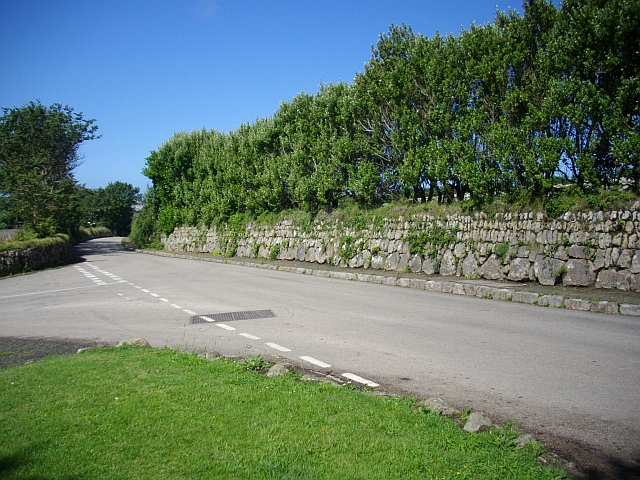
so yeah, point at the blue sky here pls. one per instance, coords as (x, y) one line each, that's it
(145, 69)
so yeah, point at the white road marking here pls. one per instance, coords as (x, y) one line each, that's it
(129, 283)
(164, 300)
(358, 379)
(154, 295)
(145, 290)
(136, 286)
(49, 291)
(315, 361)
(277, 347)
(249, 336)
(119, 294)
(176, 306)
(190, 312)
(226, 327)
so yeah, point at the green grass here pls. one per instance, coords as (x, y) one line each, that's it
(143, 413)
(19, 244)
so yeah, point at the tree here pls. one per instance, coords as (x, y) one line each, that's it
(38, 152)
(110, 207)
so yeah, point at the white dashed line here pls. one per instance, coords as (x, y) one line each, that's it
(154, 295)
(190, 312)
(277, 347)
(315, 362)
(119, 294)
(129, 283)
(206, 319)
(136, 286)
(249, 336)
(176, 306)
(145, 290)
(164, 300)
(358, 379)
(226, 327)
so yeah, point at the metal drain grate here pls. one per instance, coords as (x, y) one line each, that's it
(231, 316)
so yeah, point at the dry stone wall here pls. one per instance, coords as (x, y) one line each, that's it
(576, 249)
(36, 258)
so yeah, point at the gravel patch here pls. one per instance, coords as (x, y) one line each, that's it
(18, 351)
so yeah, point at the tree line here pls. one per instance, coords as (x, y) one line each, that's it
(512, 109)
(39, 149)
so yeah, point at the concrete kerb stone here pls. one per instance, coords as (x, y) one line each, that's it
(467, 289)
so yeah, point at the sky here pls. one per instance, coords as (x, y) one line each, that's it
(146, 69)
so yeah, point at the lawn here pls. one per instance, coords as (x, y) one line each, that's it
(144, 413)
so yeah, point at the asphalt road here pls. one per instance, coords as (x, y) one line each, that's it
(571, 378)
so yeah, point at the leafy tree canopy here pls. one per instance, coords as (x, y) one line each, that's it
(38, 152)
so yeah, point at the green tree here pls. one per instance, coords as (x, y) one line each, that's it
(112, 207)
(38, 152)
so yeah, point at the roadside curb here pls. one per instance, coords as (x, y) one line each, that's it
(441, 286)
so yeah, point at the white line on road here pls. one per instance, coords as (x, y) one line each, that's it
(145, 290)
(154, 295)
(226, 327)
(358, 379)
(164, 300)
(277, 347)
(49, 291)
(249, 336)
(315, 361)
(136, 286)
(190, 312)
(176, 306)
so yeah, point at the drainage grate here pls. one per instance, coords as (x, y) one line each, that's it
(231, 316)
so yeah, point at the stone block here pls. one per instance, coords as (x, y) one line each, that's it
(519, 269)
(547, 269)
(470, 289)
(629, 309)
(392, 261)
(416, 263)
(551, 300)
(429, 266)
(458, 289)
(448, 264)
(605, 307)
(470, 266)
(612, 279)
(577, 304)
(503, 294)
(578, 273)
(525, 297)
(492, 268)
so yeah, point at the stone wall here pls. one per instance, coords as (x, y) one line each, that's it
(576, 249)
(35, 258)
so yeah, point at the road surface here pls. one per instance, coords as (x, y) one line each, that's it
(571, 378)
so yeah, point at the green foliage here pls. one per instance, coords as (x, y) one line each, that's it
(111, 207)
(518, 111)
(38, 153)
(435, 237)
(27, 240)
(255, 363)
(347, 248)
(274, 252)
(501, 249)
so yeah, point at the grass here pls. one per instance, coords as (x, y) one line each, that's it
(18, 244)
(145, 413)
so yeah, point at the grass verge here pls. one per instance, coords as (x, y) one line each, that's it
(145, 413)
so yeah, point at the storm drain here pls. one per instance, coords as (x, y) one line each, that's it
(231, 316)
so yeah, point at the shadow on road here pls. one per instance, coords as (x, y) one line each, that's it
(99, 246)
